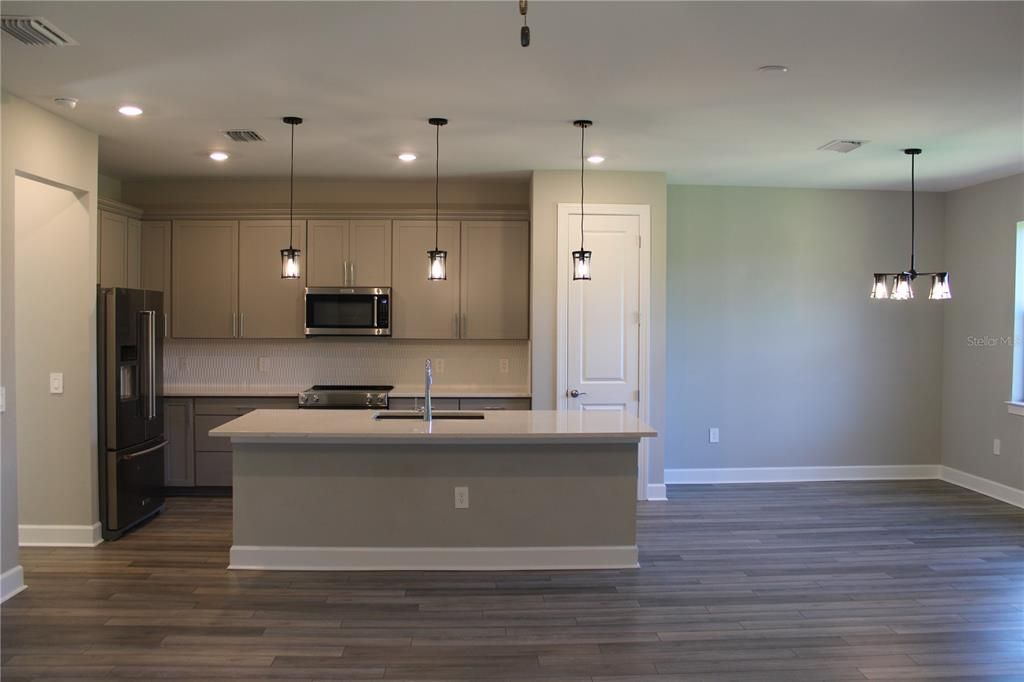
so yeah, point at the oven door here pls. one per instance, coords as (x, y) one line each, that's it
(356, 311)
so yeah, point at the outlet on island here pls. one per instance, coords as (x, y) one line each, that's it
(462, 497)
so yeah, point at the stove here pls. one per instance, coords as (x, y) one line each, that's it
(333, 397)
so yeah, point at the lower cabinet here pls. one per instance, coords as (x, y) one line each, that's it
(195, 459)
(462, 403)
(180, 460)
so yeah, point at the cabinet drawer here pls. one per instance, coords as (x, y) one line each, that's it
(417, 403)
(238, 406)
(494, 404)
(213, 468)
(204, 441)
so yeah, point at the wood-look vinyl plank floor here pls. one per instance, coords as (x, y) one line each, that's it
(894, 580)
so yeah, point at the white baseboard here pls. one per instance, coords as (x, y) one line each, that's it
(59, 536)
(12, 581)
(431, 558)
(656, 492)
(999, 491)
(797, 474)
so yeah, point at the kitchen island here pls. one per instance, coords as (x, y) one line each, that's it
(342, 490)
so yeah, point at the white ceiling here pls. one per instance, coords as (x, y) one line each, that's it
(671, 87)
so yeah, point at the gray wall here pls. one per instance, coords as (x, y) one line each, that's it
(548, 189)
(981, 237)
(42, 145)
(773, 339)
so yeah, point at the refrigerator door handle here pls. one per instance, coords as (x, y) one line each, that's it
(144, 452)
(150, 318)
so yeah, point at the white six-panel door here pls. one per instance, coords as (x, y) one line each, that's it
(602, 341)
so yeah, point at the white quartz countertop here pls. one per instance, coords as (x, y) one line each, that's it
(251, 391)
(359, 426)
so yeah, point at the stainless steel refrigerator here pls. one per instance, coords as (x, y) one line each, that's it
(131, 417)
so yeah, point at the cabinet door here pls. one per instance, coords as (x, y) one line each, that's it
(269, 307)
(328, 253)
(423, 309)
(370, 253)
(155, 258)
(495, 280)
(204, 278)
(179, 466)
(112, 249)
(133, 254)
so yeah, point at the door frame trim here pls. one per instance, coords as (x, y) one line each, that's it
(643, 212)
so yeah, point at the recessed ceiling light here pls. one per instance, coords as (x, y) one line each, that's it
(130, 110)
(219, 156)
(774, 68)
(407, 156)
(595, 158)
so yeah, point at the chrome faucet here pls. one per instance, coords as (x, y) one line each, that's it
(428, 381)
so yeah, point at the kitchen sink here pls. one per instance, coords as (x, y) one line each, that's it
(438, 414)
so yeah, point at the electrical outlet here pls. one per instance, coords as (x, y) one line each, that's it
(713, 434)
(503, 365)
(997, 446)
(462, 497)
(438, 365)
(3, 399)
(183, 364)
(264, 364)
(56, 383)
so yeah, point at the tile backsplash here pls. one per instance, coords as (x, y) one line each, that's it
(301, 363)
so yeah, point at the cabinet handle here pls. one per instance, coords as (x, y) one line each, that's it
(167, 325)
(241, 325)
(234, 325)
(462, 316)
(352, 269)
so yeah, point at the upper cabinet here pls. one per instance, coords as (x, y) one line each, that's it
(155, 266)
(204, 278)
(495, 280)
(422, 309)
(487, 293)
(120, 247)
(269, 307)
(349, 253)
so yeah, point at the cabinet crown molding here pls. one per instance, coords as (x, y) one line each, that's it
(339, 212)
(105, 204)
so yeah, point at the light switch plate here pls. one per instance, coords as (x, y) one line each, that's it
(503, 365)
(56, 383)
(438, 365)
(713, 434)
(264, 364)
(997, 446)
(3, 399)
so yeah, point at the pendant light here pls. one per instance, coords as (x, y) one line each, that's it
(902, 282)
(437, 259)
(290, 257)
(581, 258)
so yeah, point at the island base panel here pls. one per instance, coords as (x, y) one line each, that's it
(362, 507)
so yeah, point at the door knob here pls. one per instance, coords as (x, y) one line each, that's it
(575, 394)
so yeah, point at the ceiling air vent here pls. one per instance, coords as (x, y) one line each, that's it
(843, 146)
(243, 136)
(35, 31)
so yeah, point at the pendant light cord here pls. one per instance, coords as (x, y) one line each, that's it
(291, 194)
(913, 229)
(583, 135)
(437, 182)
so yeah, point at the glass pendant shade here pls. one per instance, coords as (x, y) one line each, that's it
(290, 263)
(437, 261)
(901, 288)
(581, 264)
(880, 289)
(940, 287)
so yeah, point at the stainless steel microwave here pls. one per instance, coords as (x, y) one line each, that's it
(348, 311)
